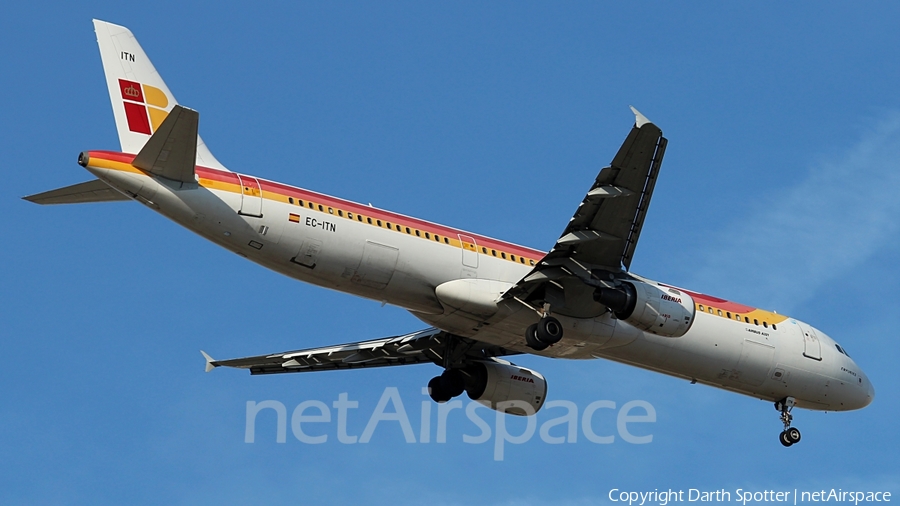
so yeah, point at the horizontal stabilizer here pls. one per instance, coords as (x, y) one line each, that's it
(90, 191)
(171, 151)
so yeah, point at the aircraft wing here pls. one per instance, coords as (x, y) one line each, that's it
(425, 346)
(606, 226)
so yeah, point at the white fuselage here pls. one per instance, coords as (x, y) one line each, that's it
(337, 248)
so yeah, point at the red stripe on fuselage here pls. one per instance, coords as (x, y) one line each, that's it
(346, 206)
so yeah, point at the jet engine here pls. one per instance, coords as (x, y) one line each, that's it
(656, 309)
(494, 382)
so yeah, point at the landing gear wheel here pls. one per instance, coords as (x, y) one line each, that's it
(785, 440)
(436, 390)
(549, 330)
(790, 435)
(531, 338)
(452, 382)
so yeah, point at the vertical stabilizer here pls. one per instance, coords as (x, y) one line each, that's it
(140, 98)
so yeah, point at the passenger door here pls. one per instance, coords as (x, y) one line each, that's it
(812, 347)
(251, 197)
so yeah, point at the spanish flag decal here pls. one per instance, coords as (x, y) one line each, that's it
(294, 218)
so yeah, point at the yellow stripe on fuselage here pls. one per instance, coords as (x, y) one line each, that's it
(754, 317)
(102, 163)
(336, 212)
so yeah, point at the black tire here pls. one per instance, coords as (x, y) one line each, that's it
(531, 338)
(436, 390)
(549, 330)
(453, 383)
(784, 439)
(793, 435)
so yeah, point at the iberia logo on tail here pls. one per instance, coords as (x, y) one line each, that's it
(144, 106)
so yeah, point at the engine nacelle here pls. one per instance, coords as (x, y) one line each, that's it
(491, 382)
(652, 308)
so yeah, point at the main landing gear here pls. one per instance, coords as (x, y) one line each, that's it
(790, 435)
(447, 386)
(542, 334)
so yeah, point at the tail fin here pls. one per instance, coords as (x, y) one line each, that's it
(140, 99)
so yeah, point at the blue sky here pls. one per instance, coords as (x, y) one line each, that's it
(778, 190)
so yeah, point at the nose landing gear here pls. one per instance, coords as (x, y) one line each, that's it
(790, 435)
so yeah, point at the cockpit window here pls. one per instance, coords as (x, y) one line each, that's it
(841, 349)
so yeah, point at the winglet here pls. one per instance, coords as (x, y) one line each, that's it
(209, 361)
(639, 119)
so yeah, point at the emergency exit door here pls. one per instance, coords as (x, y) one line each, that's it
(469, 251)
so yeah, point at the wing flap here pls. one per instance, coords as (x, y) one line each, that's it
(605, 228)
(90, 191)
(424, 346)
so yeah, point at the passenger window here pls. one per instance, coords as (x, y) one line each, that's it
(369, 220)
(321, 208)
(774, 327)
(340, 213)
(494, 252)
(407, 230)
(531, 262)
(503, 255)
(747, 319)
(291, 200)
(701, 307)
(765, 324)
(446, 241)
(720, 312)
(729, 314)
(330, 211)
(418, 234)
(737, 317)
(358, 218)
(484, 250)
(521, 260)
(300, 203)
(512, 257)
(427, 235)
(388, 224)
(437, 238)
(310, 205)
(350, 215)
(379, 222)
(755, 321)
(710, 310)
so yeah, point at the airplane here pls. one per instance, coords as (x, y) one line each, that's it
(482, 298)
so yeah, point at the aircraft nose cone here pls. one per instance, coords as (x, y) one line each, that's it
(870, 391)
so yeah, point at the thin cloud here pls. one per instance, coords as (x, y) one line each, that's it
(840, 215)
